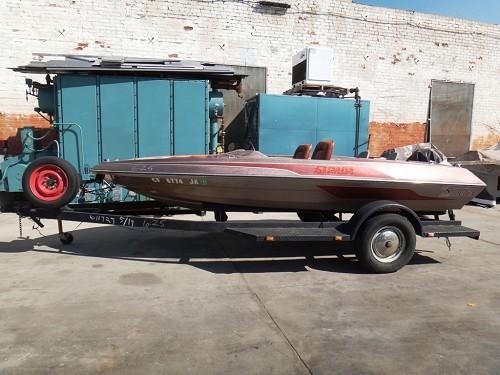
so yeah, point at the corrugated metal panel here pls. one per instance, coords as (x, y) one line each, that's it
(126, 65)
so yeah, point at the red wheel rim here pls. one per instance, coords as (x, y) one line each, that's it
(48, 183)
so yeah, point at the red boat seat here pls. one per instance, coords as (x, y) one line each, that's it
(303, 152)
(323, 150)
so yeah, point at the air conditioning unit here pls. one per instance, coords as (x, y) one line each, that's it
(313, 66)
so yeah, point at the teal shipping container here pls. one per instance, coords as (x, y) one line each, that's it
(277, 124)
(103, 118)
(114, 117)
(107, 108)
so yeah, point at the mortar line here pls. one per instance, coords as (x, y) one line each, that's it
(264, 307)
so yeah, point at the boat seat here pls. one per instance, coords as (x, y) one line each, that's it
(303, 152)
(323, 150)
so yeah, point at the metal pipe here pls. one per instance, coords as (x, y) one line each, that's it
(357, 106)
(81, 154)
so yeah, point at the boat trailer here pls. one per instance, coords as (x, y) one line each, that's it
(378, 229)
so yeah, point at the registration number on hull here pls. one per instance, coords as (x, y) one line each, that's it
(181, 181)
(460, 192)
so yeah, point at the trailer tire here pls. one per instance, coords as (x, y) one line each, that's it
(50, 182)
(66, 238)
(385, 243)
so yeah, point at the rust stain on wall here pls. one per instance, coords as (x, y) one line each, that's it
(395, 59)
(485, 141)
(81, 46)
(387, 135)
(101, 44)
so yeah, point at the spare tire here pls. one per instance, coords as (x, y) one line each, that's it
(50, 182)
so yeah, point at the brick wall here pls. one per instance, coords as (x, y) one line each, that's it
(9, 123)
(392, 55)
(384, 136)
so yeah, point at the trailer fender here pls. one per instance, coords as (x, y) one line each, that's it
(377, 207)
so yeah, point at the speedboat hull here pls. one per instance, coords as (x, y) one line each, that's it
(252, 180)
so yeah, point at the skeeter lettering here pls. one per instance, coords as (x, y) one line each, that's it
(337, 171)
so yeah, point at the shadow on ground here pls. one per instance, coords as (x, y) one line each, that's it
(213, 252)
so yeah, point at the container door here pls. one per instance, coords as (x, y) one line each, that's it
(117, 118)
(77, 116)
(451, 116)
(153, 116)
(190, 126)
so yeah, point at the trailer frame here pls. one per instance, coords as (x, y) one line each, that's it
(354, 230)
(260, 230)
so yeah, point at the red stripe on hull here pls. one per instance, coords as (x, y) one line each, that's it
(314, 169)
(352, 192)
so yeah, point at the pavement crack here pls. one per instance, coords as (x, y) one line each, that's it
(285, 336)
(264, 307)
(490, 242)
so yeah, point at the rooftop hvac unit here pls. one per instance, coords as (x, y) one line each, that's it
(313, 66)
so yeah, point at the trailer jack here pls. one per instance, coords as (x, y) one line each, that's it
(34, 219)
(65, 237)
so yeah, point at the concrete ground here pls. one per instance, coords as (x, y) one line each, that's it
(123, 301)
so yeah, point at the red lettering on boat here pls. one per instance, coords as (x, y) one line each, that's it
(336, 171)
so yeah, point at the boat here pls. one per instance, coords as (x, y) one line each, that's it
(485, 164)
(252, 180)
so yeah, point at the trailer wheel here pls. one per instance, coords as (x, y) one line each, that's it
(385, 243)
(50, 182)
(66, 238)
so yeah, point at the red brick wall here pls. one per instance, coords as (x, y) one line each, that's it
(387, 135)
(9, 125)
